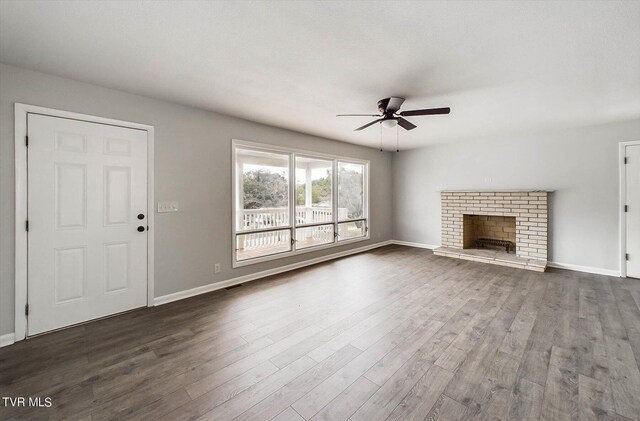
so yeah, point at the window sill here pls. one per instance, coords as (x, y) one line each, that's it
(249, 262)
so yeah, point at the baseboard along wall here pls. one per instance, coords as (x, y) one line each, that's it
(7, 339)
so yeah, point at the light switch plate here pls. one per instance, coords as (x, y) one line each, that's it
(164, 207)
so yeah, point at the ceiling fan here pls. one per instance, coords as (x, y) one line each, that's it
(390, 116)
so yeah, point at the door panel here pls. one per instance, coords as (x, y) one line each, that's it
(70, 273)
(117, 195)
(632, 175)
(71, 195)
(116, 266)
(86, 258)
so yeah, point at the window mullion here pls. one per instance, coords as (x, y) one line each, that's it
(365, 193)
(334, 199)
(292, 199)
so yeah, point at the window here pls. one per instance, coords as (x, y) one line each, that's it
(288, 202)
(351, 201)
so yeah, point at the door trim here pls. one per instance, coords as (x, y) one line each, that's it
(21, 111)
(622, 197)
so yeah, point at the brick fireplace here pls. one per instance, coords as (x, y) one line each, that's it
(481, 225)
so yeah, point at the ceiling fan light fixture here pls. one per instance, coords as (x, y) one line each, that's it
(389, 123)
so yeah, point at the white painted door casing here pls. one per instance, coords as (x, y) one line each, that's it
(632, 215)
(87, 183)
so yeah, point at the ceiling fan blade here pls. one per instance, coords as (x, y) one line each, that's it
(427, 111)
(394, 104)
(368, 124)
(405, 124)
(358, 115)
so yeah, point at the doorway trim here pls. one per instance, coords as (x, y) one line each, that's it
(623, 196)
(21, 112)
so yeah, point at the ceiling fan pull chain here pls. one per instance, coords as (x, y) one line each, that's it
(397, 143)
(380, 137)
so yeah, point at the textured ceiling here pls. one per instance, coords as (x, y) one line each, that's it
(503, 67)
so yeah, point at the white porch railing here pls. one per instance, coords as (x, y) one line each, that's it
(253, 219)
(256, 219)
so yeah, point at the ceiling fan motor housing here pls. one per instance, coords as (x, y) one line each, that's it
(388, 106)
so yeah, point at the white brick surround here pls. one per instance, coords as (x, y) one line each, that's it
(528, 207)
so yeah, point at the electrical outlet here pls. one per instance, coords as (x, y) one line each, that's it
(216, 268)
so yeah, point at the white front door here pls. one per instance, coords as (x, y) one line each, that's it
(87, 211)
(632, 176)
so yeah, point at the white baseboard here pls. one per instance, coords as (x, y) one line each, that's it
(7, 339)
(588, 269)
(252, 277)
(418, 245)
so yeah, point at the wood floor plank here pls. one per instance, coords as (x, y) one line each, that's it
(491, 399)
(561, 389)
(630, 317)
(477, 363)
(340, 322)
(229, 372)
(396, 388)
(288, 414)
(390, 363)
(205, 402)
(473, 332)
(526, 401)
(379, 318)
(636, 298)
(321, 395)
(591, 349)
(291, 392)
(256, 393)
(417, 404)
(535, 361)
(154, 410)
(595, 399)
(487, 390)
(141, 393)
(348, 402)
(446, 409)
(625, 377)
(452, 359)
(515, 341)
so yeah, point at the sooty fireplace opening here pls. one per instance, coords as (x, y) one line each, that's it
(486, 231)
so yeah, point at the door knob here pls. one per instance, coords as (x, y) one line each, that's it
(140, 228)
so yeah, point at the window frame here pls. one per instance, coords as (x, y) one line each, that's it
(293, 153)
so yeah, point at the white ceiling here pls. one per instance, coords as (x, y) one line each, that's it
(502, 67)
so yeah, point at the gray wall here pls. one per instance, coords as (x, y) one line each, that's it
(581, 165)
(192, 165)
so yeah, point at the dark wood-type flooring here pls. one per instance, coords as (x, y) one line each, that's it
(396, 333)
